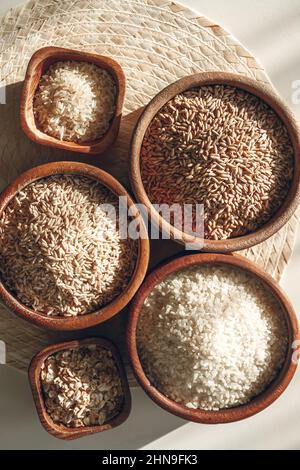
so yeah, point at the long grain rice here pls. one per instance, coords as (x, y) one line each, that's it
(211, 337)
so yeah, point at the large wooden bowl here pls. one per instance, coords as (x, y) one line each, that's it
(61, 431)
(38, 64)
(263, 92)
(257, 404)
(112, 308)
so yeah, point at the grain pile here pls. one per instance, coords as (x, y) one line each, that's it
(61, 251)
(211, 337)
(75, 101)
(82, 386)
(222, 147)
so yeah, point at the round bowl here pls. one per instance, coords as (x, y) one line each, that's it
(117, 304)
(258, 403)
(266, 94)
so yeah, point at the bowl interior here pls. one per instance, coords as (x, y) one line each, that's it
(292, 200)
(107, 311)
(62, 431)
(40, 63)
(258, 403)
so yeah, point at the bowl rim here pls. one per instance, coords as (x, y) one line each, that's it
(61, 431)
(263, 92)
(118, 303)
(257, 404)
(31, 82)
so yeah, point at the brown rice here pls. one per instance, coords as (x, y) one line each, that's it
(60, 252)
(222, 147)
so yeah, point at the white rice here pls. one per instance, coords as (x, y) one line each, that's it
(75, 101)
(211, 337)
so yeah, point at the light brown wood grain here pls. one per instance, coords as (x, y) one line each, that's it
(257, 404)
(38, 64)
(61, 431)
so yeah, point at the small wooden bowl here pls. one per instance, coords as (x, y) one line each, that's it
(279, 219)
(257, 404)
(38, 64)
(61, 431)
(112, 308)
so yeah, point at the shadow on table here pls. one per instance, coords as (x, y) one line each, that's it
(146, 423)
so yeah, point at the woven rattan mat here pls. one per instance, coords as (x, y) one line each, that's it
(156, 42)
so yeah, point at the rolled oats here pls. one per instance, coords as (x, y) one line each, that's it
(82, 386)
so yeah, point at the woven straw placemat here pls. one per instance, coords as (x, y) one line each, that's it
(156, 42)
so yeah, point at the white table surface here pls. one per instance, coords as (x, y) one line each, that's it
(271, 30)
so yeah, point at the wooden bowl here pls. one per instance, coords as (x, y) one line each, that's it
(112, 308)
(38, 64)
(61, 431)
(257, 404)
(279, 219)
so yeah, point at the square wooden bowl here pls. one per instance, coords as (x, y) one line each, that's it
(61, 431)
(38, 64)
